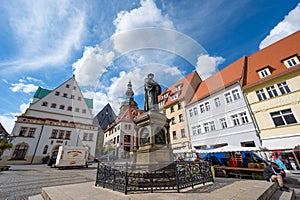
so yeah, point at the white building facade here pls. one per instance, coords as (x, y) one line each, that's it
(59, 117)
(218, 114)
(120, 134)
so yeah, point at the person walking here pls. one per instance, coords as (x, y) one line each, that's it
(273, 173)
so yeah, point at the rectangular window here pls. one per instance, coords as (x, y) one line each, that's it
(179, 106)
(31, 132)
(206, 127)
(61, 134)
(56, 93)
(79, 98)
(272, 91)
(181, 118)
(183, 133)
(291, 62)
(76, 109)
(54, 133)
(195, 111)
(83, 110)
(85, 137)
(284, 88)
(191, 112)
(202, 110)
(228, 97)
(207, 106)
(236, 94)
(283, 117)
(244, 118)
(261, 94)
(198, 129)
(173, 120)
(194, 130)
(235, 120)
(217, 102)
(223, 123)
(118, 139)
(174, 135)
(62, 107)
(65, 95)
(264, 73)
(172, 109)
(68, 135)
(212, 125)
(91, 135)
(23, 131)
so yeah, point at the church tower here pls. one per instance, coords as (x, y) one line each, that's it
(129, 101)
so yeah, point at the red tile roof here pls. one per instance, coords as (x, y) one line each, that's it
(272, 56)
(132, 112)
(220, 80)
(188, 85)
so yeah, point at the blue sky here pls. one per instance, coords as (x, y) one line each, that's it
(106, 43)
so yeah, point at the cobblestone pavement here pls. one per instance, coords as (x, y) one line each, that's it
(21, 181)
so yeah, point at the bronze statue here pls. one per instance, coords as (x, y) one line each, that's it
(152, 90)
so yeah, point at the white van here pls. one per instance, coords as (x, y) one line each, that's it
(69, 156)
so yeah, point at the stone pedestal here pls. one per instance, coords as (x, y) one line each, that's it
(152, 141)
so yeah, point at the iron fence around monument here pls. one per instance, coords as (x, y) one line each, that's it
(136, 178)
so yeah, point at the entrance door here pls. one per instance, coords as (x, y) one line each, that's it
(20, 152)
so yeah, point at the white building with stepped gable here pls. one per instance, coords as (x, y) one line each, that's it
(61, 116)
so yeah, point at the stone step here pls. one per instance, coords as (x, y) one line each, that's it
(36, 197)
(282, 195)
(240, 190)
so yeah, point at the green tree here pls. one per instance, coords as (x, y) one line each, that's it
(4, 145)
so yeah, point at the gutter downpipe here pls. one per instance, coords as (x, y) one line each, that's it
(37, 144)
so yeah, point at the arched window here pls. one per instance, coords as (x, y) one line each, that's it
(45, 149)
(145, 137)
(20, 152)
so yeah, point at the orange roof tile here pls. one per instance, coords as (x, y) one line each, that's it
(224, 78)
(272, 56)
(186, 87)
(132, 112)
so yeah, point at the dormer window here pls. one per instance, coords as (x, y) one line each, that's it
(178, 87)
(174, 96)
(264, 72)
(291, 62)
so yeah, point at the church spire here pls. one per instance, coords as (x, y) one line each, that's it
(129, 102)
(129, 93)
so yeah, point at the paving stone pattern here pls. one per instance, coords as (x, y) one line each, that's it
(22, 181)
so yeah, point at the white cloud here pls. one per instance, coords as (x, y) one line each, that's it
(207, 65)
(31, 79)
(93, 63)
(21, 87)
(45, 32)
(24, 106)
(147, 15)
(7, 122)
(289, 25)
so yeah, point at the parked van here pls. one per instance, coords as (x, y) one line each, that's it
(69, 156)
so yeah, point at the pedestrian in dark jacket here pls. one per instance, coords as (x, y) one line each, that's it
(273, 173)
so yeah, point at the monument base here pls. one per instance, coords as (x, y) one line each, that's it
(156, 151)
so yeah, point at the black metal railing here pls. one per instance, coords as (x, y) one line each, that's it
(152, 177)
